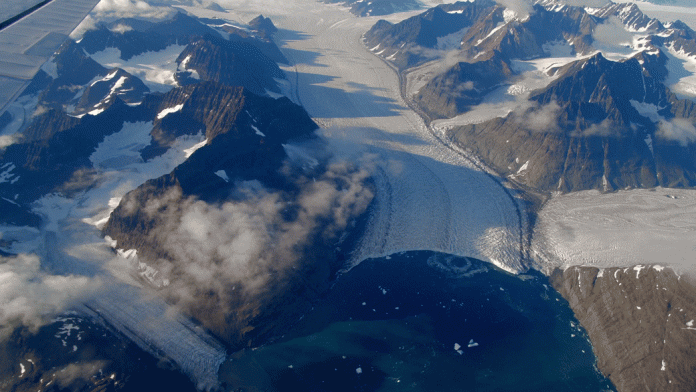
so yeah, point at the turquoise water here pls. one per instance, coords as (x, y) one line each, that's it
(421, 321)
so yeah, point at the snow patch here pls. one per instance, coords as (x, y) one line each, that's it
(189, 151)
(648, 110)
(155, 69)
(638, 268)
(162, 114)
(122, 148)
(523, 167)
(649, 142)
(451, 41)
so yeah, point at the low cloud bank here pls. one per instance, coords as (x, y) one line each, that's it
(30, 296)
(680, 130)
(241, 249)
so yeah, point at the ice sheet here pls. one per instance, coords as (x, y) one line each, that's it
(625, 228)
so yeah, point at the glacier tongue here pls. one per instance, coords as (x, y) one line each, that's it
(157, 327)
(430, 195)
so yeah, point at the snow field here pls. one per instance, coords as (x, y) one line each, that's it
(625, 228)
(155, 69)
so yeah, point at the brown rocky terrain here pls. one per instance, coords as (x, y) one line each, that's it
(640, 321)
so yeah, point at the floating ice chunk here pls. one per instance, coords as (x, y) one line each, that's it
(21, 369)
(457, 346)
(664, 365)
(256, 130)
(167, 111)
(658, 268)
(222, 174)
(690, 323)
(7, 175)
(472, 343)
(358, 370)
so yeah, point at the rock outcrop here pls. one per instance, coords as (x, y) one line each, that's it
(640, 321)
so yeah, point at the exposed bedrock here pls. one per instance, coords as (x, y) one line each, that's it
(640, 321)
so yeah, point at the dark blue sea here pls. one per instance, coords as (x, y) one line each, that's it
(423, 321)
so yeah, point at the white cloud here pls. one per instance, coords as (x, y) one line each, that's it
(130, 9)
(86, 25)
(121, 28)
(521, 8)
(7, 140)
(236, 247)
(539, 118)
(611, 34)
(605, 128)
(78, 371)
(679, 129)
(30, 296)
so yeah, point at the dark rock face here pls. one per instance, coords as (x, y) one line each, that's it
(117, 83)
(594, 138)
(631, 16)
(405, 40)
(233, 63)
(77, 353)
(79, 84)
(264, 26)
(260, 34)
(142, 37)
(245, 136)
(439, 97)
(640, 322)
(56, 150)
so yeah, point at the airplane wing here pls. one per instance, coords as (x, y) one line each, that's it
(30, 32)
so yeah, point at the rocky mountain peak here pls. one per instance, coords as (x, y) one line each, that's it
(630, 16)
(234, 63)
(263, 25)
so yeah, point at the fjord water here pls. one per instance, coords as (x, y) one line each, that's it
(425, 321)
